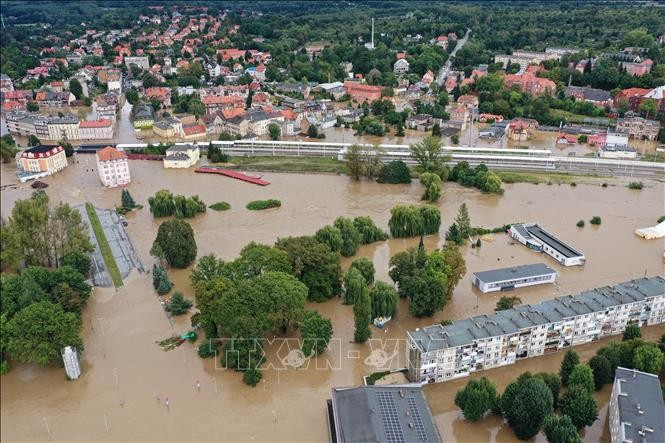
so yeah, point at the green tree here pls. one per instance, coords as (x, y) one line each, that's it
(4, 342)
(76, 88)
(428, 154)
(582, 375)
(77, 260)
(570, 360)
(176, 239)
(578, 404)
(32, 107)
(436, 130)
(37, 333)
(316, 332)
(648, 108)
(602, 371)
(463, 221)
(330, 236)
(274, 131)
(353, 282)
(132, 96)
(312, 132)
(507, 303)
(285, 297)
(560, 429)
(196, 107)
(126, 199)
(69, 149)
(453, 235)
(354, 161)
(362, 313)
(366, 268)
(432, 183)
(252, 377)
(255, 260)
(7, 148)
(315, 265)
(476, 398)
(384, 300)
(649, 359)
(631, 332)
(160, 280)
(553, 381)
(178, 304)
(525, 403)
(350, 236)
(394, 172)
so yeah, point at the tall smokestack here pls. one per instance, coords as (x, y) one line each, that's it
(372, 33)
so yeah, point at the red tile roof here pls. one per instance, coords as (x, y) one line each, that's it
(194, 129)
(110, 153)
(101, 123)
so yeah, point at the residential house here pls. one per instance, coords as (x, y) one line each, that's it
(420, 122)
(468, 101)
(50, 99)
(168, 128)
(214, 103)
(486, 118)
(529, 83)
(113, 167)
(259, 120)
(598, 97)
(441, 41)
(362, 93)
(460, 114)
(162, 94)
(633, 96)
(428, 78)
(46, 159)
(141, 62)
(101, 129)
(182, 156)
(106, 106)
(143, 116)
(525, 58)
(401, 67)
(194, 132)
(520, 129)
(638, 127)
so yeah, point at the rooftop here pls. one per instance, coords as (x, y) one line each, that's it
(544, 236)
(110, 153)
(640, 404)
(464, 332)
(388, 413)
(516, 272)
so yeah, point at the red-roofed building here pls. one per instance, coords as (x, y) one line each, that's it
(638, 69)
(160, 93)
(520, 129)
(633, 96)
(362, 93)
(529, 83)
(214, 103)
(113, 167)
(194, 131)
(450, 83)
(401, 55)
(442, 41)
(566, 139)
(484, 118)
(96, 129)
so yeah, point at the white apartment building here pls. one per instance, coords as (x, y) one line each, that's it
(64, 128)
(438, 353)
(44, 159)
(113, 167)
(101, 129)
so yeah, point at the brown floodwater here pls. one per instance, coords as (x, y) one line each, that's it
(124, 371)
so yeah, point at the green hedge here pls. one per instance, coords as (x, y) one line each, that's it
(258, 205)
(220, 206)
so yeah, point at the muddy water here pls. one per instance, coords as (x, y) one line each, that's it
(121, 327)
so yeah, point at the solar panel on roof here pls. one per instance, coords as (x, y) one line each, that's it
(417, 421)
(390, 418)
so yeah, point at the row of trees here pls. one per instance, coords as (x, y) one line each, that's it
(530, 402)
(40, 308)
(345, 235)
(164, 204)
(413, 221)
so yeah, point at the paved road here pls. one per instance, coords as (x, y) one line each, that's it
(445, 69)
(123, 251)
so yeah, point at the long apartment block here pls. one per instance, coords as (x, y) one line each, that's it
(438, 353)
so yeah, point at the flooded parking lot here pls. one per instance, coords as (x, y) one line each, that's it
(124, 371)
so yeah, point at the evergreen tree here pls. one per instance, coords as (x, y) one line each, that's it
(463, 221)
(362, 314)
(127, 200)
(578, 404)
(178, 304)
(570, 359)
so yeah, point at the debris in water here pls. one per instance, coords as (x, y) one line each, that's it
(170, 343)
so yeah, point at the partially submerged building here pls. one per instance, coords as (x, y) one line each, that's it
(438, 353)
(536, 238)
(381, 413)
(514, 277)
(637, 410)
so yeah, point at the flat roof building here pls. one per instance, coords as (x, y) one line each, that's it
(385, 413)
(637, 410)
(514, 277)
(439, 353)
(536, 238)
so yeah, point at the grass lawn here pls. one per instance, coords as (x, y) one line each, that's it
(289, 164)
(536, 178)
(104, 247)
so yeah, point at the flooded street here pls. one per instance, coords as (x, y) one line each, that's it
(125, 371)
